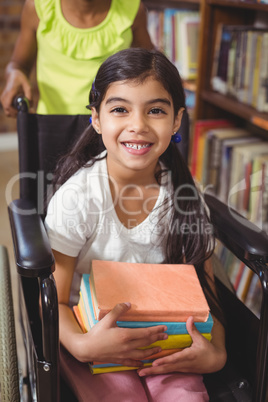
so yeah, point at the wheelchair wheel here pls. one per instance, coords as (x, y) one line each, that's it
(9, 377)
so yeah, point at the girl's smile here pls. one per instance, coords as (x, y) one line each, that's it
(136, 121)
(137, 148)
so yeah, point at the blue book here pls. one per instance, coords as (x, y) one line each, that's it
(173, 328)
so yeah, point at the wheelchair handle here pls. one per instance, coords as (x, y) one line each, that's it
(21, 103)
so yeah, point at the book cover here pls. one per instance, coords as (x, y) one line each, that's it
(239, 275)
(216, 52)
(189, 28)
(173, 342)
(241, 156)
(96, 367)
(226, 156)
(186, 42)
(110, 369)
(168, 32)
(254, 295)
(157, 292)
(262, 98)
(201, 127)
(264, 203)
(238, 75)
(240, 90)
(258, 191)
(172, 327)
(256, 72)
(219, 80)
(232, 62)
(153, 26)
(244, 284)
(249, 65)
(214, 139)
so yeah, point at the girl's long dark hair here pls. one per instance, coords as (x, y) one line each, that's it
(189, 239)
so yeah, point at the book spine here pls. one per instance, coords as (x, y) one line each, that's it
(201, 316)
(102, 370)
(176, 341)
(173, 328)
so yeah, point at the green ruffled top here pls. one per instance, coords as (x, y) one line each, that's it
(68, 57)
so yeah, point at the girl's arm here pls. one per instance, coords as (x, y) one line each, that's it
(105, 341)
(22, 60)
(141, 37)
(202, 356)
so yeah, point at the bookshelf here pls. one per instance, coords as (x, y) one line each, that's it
(214, 105)
(211, 104)
(174, 29)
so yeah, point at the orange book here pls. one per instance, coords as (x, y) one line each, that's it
(201, 127)
(79, 318)
(157, 292)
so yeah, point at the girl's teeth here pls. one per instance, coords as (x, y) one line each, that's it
(136, 146)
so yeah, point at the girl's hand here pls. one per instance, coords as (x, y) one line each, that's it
(108, 343)
(201, 357)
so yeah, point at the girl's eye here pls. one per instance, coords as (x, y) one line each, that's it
(157, 110)
(118, 110)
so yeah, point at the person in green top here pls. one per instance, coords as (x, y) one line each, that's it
(69, 40)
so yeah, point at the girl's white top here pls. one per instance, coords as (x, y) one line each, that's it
(81, 222)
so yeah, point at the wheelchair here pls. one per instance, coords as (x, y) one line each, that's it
(41, 140)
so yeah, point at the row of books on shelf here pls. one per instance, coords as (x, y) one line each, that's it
(245, 282)
(240, 64)
(158, 293)
(233, 164)
(175, 32)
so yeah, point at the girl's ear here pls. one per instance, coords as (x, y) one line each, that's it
(95, 120)
(177, 120)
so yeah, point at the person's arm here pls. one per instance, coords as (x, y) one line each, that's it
(202, 356)
(22, 60)
(105, 341)
(141, 37)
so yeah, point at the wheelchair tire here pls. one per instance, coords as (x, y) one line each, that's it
(9, 375)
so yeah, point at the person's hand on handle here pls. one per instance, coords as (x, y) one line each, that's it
(17, 84)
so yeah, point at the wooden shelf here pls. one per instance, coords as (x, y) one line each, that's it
(237, 108)
(187, 4)
(239, 4)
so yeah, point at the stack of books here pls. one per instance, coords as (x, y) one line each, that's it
(176, 32)
(240, 63)
(159, 294)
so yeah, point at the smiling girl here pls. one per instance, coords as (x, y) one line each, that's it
(122, 190)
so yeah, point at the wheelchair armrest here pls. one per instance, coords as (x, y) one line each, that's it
(249, 244)
(241, 236)
(34, 257)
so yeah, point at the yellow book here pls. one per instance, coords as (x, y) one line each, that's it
(176, 341)
(173, 342)
(110, 369)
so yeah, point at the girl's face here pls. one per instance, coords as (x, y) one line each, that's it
(136, 122)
